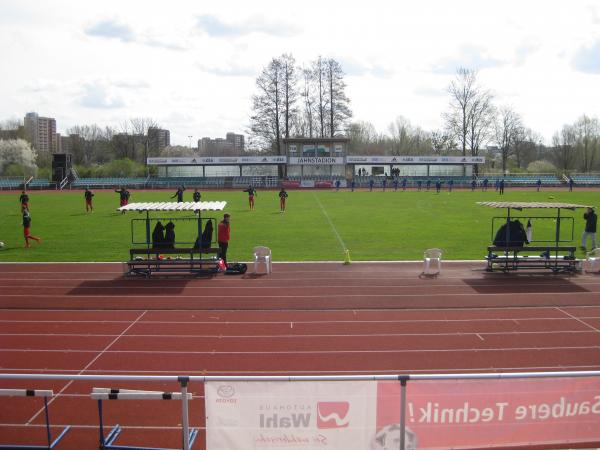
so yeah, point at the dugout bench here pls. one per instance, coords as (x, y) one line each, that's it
(548, 254)
(143, 261)
(147, 259)
(557, 259)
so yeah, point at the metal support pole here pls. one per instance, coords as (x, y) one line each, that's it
(185, 423)
(101, 422)
(47, 422)
(402, 413)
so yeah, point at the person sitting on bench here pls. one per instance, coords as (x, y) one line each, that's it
(158, 235)
(169, 241)
(511, 234)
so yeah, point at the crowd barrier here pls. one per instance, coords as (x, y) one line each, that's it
(407, 412)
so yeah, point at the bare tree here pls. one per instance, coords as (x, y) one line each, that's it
(364, 139)
(339, 103)
(290, 92)
(442, 142)
(507, 129)
(307, 122)
(320, 77)
(471, 114)
(586, 131)
(563, 148)
(265, 122)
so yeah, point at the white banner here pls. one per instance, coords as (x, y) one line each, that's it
(290, 415)
(415, 159)
(220, 160)
(316, 160)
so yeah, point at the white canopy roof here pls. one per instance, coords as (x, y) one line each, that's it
(174, 206)
(534, 205)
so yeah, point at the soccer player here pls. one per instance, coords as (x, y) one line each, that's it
(251, 193)
(450, 184)
(24, 199)
(571, 183)
(501, 186)
(123, 197)
(179, 194)
(428, 183)
(352, 185)
(26, 228)
(88, 200)
(337, 185)
(371, 183)
(438, 186)
(282, 197)
(419, 183)
(384, 183)
(196, 195)
(395, 184)
(538, 184)
(223, 235)
(473, 184)
(404, 181)
(485, 184)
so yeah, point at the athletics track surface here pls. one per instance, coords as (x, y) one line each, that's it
(322, 318)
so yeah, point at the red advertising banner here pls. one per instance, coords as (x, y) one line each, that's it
(467, 414)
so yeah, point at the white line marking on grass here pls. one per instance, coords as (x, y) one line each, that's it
(337, 235)
(88, 365)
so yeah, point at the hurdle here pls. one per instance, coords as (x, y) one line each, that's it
(34, 393)
(107, 442)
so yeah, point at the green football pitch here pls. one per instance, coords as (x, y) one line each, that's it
(317, 226)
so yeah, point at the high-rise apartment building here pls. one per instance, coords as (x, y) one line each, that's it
(158, 138)
(41, 132)
(233, 144)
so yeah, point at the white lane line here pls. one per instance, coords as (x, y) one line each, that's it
(578, 319)
(558, 368)
(87, 366)
(308, 352)
(285, 322)
(335, 232)
(300, 336)
(322, 296)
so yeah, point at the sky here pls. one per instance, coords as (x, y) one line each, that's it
(192, 65)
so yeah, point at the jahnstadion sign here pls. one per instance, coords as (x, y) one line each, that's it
(315, 160)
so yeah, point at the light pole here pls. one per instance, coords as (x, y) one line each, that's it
(190, 141)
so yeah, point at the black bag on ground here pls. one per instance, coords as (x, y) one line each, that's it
(236, 269)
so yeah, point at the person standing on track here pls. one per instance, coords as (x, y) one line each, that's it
(590, 228)
(251, 193)
(88, 200)
(223, 235)
(24, 199)
(282, 198)
(26, 227)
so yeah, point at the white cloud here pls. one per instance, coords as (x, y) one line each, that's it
(191, 65)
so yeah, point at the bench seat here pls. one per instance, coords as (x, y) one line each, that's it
(555, 258)
(194, 262)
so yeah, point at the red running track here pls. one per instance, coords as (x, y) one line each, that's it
(321, 318)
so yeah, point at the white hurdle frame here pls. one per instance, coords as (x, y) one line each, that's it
(402, 379)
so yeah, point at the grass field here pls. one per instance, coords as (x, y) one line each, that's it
(317, 225)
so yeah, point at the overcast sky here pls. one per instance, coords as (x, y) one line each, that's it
(192, 65)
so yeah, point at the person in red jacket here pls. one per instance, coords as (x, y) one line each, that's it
(223, 234)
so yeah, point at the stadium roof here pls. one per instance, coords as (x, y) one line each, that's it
(532, 205)
(174, 206)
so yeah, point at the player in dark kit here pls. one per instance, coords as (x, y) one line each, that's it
(123, 197)
(196, 195)
(282, 198)
(88, 200)
(26, 227)
(24, 199)
(179, 194)
(251, 193)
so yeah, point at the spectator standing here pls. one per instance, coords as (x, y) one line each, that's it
(590, 228)
(223, 235)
